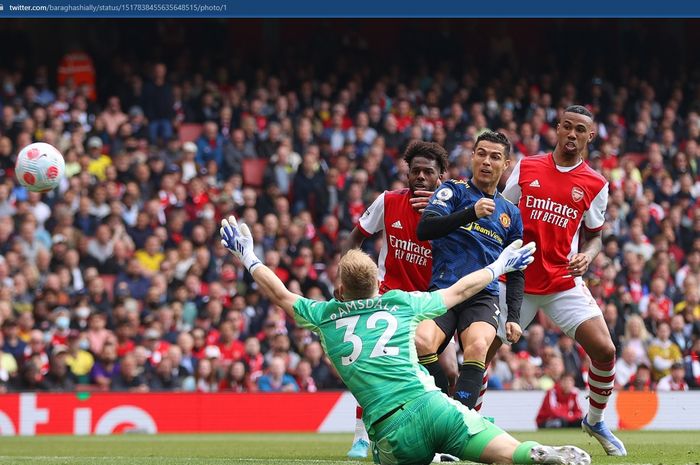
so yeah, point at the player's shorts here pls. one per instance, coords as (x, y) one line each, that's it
(429, 424)
(567, 309)
(481, 307)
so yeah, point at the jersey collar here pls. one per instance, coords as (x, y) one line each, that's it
(566, 169)
(482, 192)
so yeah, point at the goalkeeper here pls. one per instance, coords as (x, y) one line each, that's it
(370, 341)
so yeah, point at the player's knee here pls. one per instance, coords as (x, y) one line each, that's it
(426, 341)
(476, 349)
(607, 352)
(604, 351)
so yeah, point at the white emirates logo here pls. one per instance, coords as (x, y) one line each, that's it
(397, 224)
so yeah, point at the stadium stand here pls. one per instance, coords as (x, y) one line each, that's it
(121, 269)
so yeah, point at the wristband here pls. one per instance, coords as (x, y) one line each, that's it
(250, 261)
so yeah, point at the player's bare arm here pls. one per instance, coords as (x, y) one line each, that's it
(578, 265)
(238, 240)
(354, 241)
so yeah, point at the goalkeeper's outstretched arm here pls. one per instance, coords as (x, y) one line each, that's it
(238, 240)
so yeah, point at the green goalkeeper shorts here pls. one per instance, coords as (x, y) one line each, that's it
(429, 424)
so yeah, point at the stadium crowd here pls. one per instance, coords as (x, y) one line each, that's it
(117, 281)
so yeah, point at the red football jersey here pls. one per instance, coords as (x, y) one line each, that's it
(554, 201)
(405, 263)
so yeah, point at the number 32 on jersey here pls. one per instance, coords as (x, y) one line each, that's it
(380, 348)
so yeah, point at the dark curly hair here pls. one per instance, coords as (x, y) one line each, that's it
(429, 150)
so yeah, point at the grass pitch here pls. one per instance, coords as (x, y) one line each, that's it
(655, 448)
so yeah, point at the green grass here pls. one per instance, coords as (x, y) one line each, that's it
(655, 448)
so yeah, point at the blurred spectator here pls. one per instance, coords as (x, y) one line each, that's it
(625, 367)
(128, 378)
(690, 304)
(280, 348)
(657, 295)
(165, 377)
(681, 333)
(692, 365)
(97, 161)
(113, 116)
(560, 407)
(8, 369)
(158, 104)
(320, 369)
(663, 353)
(59, 378)
(641, 380)
(230, 345)
(237, 379)
(526, 379)
(552, 372)
(674, 381)
(105, 368)
(12, 344)
(97, 333)
(276, 380)
(210, 145)
(304, 379)
(636, 338)
(253, 358)
(205, 379)
(78, 359)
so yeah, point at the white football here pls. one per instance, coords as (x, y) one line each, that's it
(40, 167)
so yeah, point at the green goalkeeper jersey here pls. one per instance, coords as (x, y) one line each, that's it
(371, 344)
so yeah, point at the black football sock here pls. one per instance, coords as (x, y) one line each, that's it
(430, 362)
(471, 376)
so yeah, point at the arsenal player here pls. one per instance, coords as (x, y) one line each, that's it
(558, 193)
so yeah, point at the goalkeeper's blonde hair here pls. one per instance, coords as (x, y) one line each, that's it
(358, 274)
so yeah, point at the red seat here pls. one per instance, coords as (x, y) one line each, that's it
(189, 132)
(254, 171)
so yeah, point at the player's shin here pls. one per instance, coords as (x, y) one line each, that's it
(482, 393)
(432, 364)
(360, 431)
(601, 380)
(471, 375)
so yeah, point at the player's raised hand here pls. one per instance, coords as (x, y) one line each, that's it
(514, 257)
(484, 207)
(238, 240)
(420, 200)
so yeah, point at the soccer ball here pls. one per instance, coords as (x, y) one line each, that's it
(40, 167)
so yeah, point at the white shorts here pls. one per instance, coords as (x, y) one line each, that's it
(567, 309)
